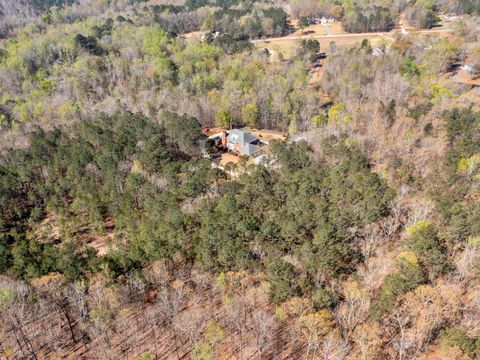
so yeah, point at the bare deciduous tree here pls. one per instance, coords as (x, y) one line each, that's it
(172, 300)
(191, 323)
(354, 309)
(261, 324)
(77, 295)
(315, 327)
(51, 288)
(236, 321)
(16, 313)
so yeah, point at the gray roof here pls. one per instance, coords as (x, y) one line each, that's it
(250, 149)
(468, 68)
(241, 137)
(244, 139)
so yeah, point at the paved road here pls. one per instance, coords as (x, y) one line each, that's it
(386, 35)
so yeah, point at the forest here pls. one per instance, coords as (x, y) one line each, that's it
(122, 236)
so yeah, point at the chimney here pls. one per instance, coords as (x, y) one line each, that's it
(224, 139)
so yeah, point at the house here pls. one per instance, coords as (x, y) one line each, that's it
(325, 20)
(378, 52)
(241, 142)
(208, 36)
(469, 69)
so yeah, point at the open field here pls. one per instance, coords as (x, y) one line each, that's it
(288, 46)
(386, 35)
(318, 29)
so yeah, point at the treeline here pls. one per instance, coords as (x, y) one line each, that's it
(236, 18)
(372, 15)
(456, 183)
(17, 13)
(47, 4)
(370, 18)
(83, 67)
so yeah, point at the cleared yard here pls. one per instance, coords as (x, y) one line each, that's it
(209, 131)
(193, 34)
(228, 158)
(267, 135)
(465, 78)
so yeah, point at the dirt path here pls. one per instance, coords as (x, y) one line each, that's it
(327, 29)
(405, 26)
(314, 73)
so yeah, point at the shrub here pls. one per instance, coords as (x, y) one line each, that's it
(469, 165)
(423, 241)
(282, 279)
(322, 299)
(408, 276)
(458, 337)
(409, 68)
(420, 109)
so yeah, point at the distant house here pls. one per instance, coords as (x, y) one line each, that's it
(378, 52)
(469, 69)
(325, 20)
(210, 36)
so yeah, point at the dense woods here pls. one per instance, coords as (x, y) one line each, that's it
(139, 174)
(355, 235)
(47, 75)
